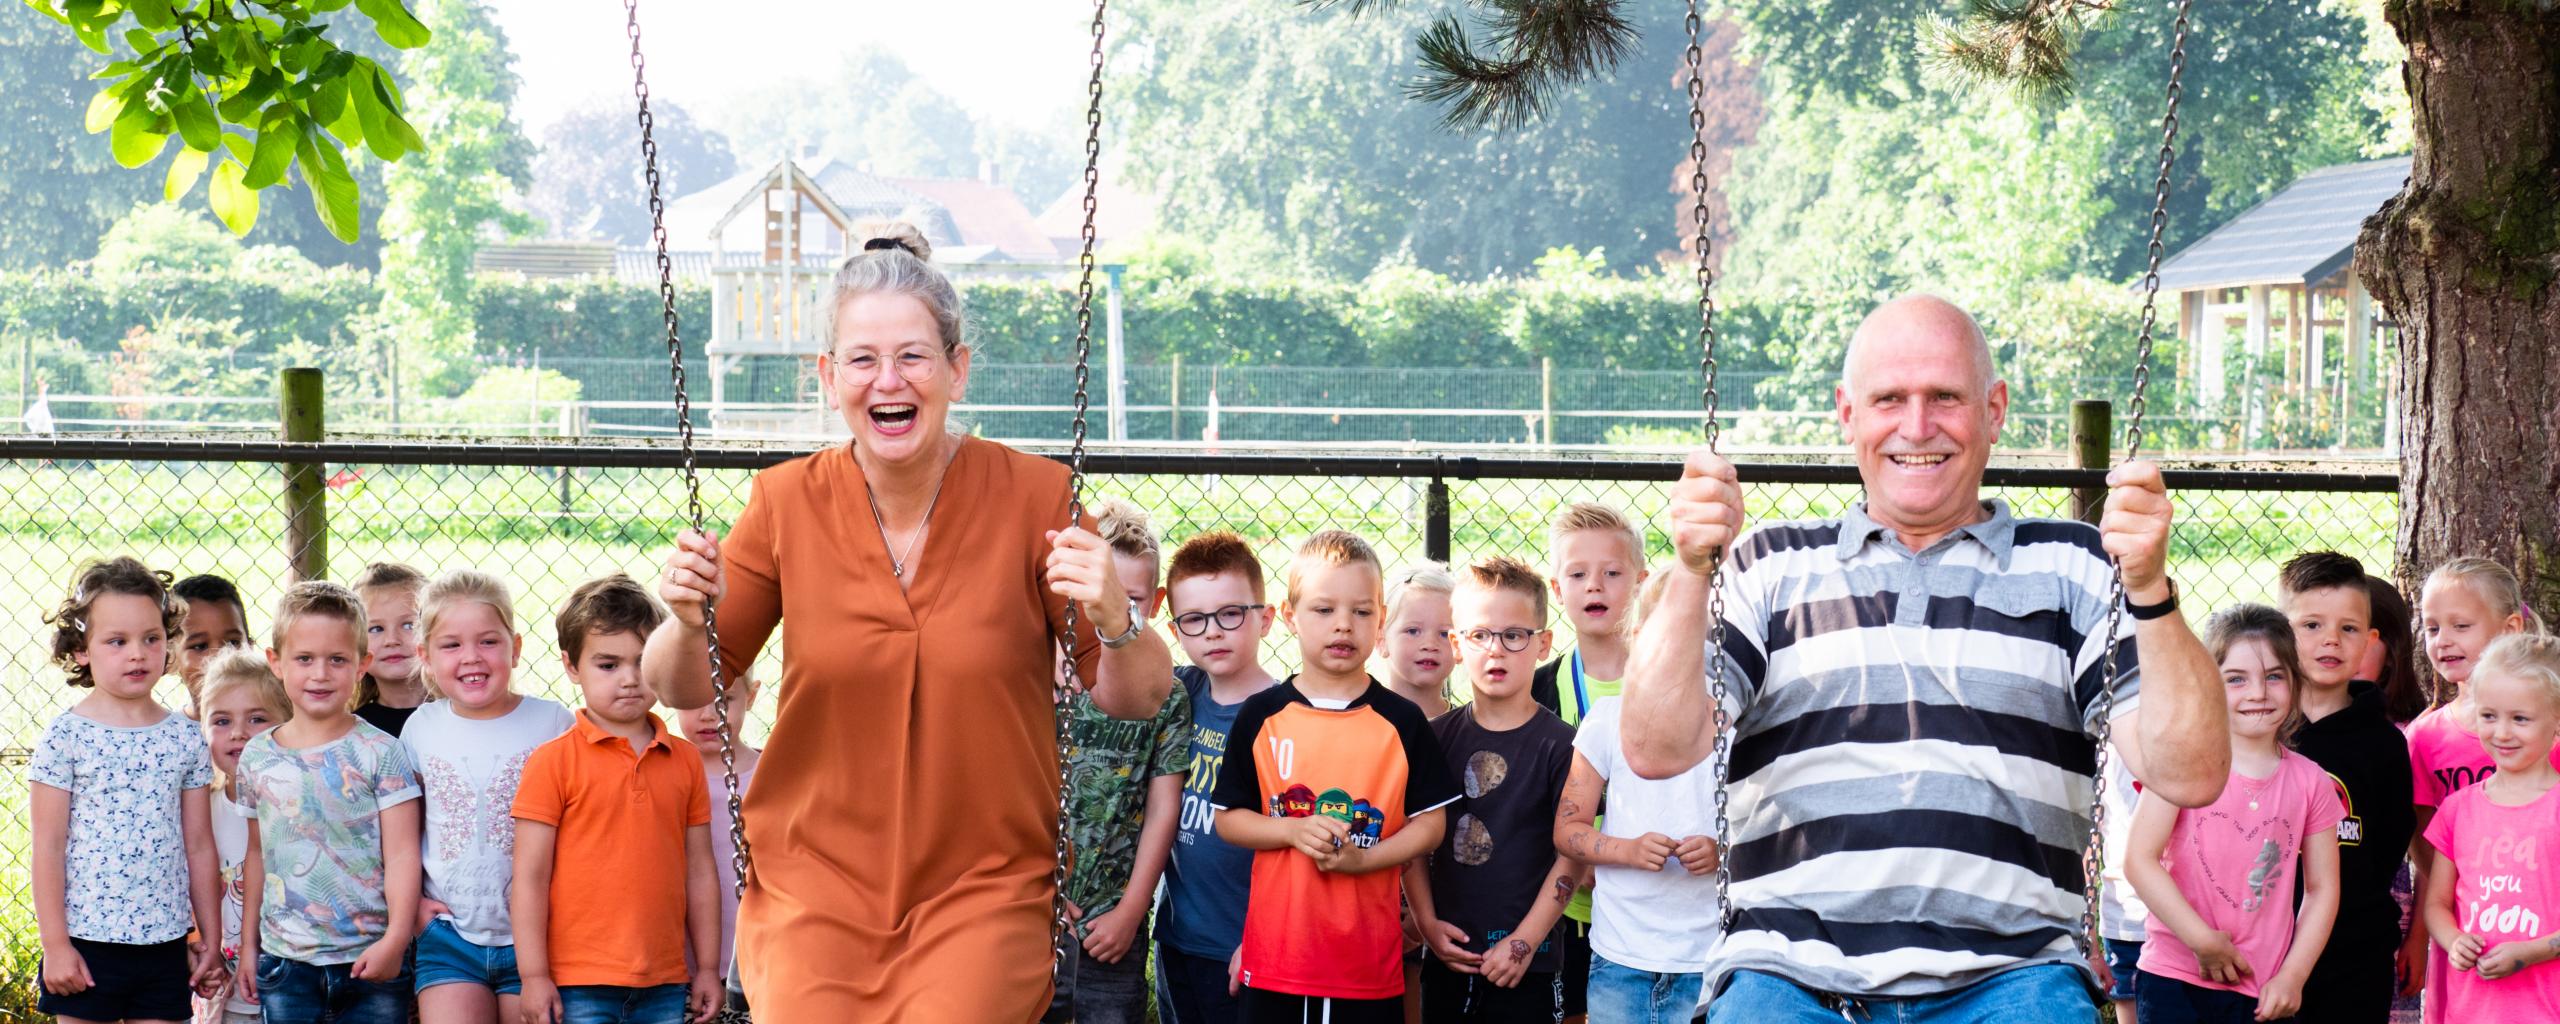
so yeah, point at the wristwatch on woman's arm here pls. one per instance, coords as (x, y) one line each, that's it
(1137, 624)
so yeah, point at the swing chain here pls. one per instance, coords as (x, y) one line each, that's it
(1061, 935)
(1704, 243)
(738, 857)
(2093, 855)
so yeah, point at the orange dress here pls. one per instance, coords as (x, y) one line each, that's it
(903, 817)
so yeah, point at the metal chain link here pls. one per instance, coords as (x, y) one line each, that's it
(2093, 855)
(738, 857)
(1704, 244)
(1060, 937)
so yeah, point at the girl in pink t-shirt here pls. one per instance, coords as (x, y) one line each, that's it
(2496, 914)
(2467, 604)
(2226, 942)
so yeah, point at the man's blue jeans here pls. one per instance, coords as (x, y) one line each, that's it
(2045, 994)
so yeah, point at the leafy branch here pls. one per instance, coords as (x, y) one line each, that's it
(253, 91)
(2024, 43)
(1541, 46)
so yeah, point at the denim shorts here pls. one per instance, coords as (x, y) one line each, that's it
(1620, 994)
(293, 992)
(2121, 958)
(446, 958)
(616, 1004)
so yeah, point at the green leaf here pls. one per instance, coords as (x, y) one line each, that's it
(234, 201)
(196, 123)
(370, 112)
(116, 69)
(333, 190)
(333, 66)
(208, 61)
(327, 101)
(184, 169)
(393, 22)
(153, 14)
(103, 110)
(237, 146)
(245, 101)
(134, 141)
(143, 43)
(274, 152)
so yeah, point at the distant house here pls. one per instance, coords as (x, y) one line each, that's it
(2277, 278)
(805, 211)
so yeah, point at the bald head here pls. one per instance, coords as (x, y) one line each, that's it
(1918, 326)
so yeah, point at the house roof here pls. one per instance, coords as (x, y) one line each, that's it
(955, 214)
(1120, 211)
(2298, 236)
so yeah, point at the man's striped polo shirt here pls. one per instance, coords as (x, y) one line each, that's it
(1911, 766)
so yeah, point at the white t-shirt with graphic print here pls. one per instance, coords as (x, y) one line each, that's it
(470, 769)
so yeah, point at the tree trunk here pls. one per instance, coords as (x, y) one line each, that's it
(2464, 260)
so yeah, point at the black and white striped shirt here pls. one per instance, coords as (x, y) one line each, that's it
(1912, 759)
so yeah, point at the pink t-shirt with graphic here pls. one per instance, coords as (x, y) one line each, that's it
(2443, 758)
(2235, 861)
(2506, 889)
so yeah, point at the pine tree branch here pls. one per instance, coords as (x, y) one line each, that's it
(2024, 44)
(1540, 47)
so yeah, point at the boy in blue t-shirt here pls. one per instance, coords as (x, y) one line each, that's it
(1215, 592)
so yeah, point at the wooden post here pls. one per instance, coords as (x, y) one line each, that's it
(1174, 404)
(26, 371)
(1547, 399)
(302, 411)
(2092, 444)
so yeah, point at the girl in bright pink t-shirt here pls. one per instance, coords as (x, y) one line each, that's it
(2227, 942)
(2496, 914)
(2467, 604)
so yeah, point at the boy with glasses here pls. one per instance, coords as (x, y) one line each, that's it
(1215, 590)
(1121, 812)
(1488, 897)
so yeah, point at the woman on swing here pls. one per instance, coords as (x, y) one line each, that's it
(903, 813)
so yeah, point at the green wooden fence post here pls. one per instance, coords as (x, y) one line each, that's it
(300, 396)
(2092, 444)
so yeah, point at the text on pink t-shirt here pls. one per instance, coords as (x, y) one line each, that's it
(2444, 759)
(2235, 861)
(2504, 890)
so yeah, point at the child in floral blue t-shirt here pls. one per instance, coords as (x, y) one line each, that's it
(124, 856)
(334, 819)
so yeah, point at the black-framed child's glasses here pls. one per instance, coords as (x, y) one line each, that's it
(1514, 639)
(1229, 617)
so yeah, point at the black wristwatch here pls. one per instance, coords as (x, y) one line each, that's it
(2148, 612)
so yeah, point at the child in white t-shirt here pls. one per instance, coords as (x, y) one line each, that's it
(470, 749)
(237, 697)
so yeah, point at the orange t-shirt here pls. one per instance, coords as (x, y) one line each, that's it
(618, 868)
(1373, 763)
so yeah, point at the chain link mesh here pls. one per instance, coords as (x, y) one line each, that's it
(545, 529)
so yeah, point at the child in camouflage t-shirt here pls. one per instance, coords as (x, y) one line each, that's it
(1124, 801)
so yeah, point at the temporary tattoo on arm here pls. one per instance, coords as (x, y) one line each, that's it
(1519, 949)
(1563, 889)
(1568, 810)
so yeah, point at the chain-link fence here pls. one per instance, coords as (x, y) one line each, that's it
(549, 517)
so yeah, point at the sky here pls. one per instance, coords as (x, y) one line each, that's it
(1017, 61)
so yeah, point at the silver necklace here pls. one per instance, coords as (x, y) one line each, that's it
(898, 563)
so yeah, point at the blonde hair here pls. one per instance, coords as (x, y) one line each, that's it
(902, 265)
(1591, 516)
(1124, 526)
(1648, 597)
(451, 591)
(2531, 657)
(1418, 578)
(239, 668)
(377, 578)
(1327, 548)
(320, 599)
(1502, 572)
(2495, 584)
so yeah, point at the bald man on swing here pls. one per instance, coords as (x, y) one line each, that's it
(1915, 693)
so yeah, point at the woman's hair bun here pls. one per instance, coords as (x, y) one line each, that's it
(890, 234)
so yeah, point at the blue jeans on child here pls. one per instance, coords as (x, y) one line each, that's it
(293, 992)
(2159, 999)
(2043, 994)
(617, 1004)
(1620, 994)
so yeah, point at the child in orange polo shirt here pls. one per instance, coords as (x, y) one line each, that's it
(594, 954)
